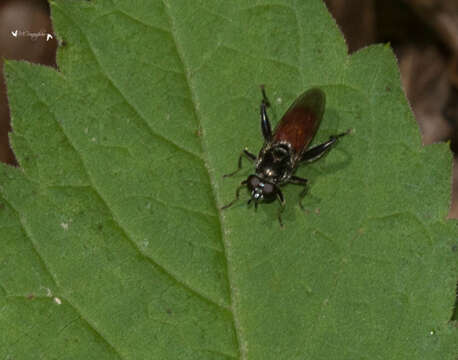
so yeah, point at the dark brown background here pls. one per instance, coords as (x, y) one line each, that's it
(423, 34)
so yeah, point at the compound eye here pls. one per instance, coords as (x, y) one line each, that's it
(269, 192)
(268, 189)
(253, 181)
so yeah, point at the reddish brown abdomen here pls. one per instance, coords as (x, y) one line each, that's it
(301, 121)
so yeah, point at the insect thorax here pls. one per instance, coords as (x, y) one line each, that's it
(275, 163)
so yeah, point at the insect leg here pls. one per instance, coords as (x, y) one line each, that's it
(303, 182)
(237, 193)
(281, 199)
(265, 123)
(248, 155)
(318, 151)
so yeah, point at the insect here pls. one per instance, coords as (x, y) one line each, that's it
(285, 149)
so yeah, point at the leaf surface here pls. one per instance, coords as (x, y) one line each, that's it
(113, 244)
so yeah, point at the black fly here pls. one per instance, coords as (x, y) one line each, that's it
(285, 149)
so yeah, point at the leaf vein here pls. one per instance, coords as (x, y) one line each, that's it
(226, 246)
(136, 111)
(32, 242)
(152, 261)
(91, 326)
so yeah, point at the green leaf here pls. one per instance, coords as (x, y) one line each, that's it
(112, 242)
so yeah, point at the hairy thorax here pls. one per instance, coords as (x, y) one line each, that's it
(275, 163)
